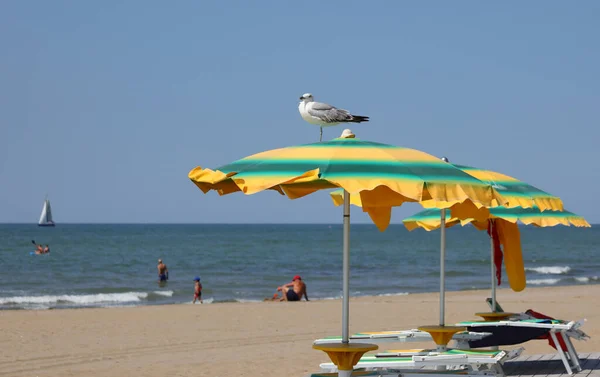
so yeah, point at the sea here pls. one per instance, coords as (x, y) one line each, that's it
(115, 264)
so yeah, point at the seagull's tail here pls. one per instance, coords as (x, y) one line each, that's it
(358, 119)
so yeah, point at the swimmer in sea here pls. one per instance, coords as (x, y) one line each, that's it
(163, 271)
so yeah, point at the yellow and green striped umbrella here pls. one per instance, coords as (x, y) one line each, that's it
(429, 219)
(381, 175)
(516, 192)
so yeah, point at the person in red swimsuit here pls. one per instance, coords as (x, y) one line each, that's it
(197, 290)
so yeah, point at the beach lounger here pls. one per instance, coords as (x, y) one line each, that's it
(531, 325)
(432, 362)
(519, 331)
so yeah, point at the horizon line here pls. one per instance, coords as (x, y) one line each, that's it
(223, 223)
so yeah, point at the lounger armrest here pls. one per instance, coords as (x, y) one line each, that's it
(440, 360)
(578, 324)
(461, 359)
(577, 334)
(384, 336)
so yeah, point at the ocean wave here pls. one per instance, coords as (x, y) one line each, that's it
(550, 270)
(163, 293)
(75, 299)
(394, 294)
(543, 281)
(587, 279)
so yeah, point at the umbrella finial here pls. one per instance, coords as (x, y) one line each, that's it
(445, 159)
(347, 134)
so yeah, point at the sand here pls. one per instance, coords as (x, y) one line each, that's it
(246, 339)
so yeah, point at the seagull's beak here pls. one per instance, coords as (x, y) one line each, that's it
(302, 97)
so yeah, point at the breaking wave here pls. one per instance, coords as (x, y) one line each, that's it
(586, 279)
(550, 270)
(163, 293)
(543, 281)
(82, 300)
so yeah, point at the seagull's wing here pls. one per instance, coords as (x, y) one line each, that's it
(328, 113)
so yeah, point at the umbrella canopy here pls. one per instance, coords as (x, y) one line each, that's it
(514, 191)
(429, 219)
(381, 175)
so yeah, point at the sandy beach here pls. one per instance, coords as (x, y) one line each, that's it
(246, 339)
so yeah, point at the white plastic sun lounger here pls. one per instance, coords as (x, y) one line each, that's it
(432, 362)
(558, 330)
(566, 331)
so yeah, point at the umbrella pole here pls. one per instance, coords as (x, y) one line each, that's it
(346, 270)
(493, 266)
(442, 265)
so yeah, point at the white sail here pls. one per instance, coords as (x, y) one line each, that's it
(46, 216)
(48, 212)
(43, 215)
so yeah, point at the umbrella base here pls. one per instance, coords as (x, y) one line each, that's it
(345, 355)
(442, 334)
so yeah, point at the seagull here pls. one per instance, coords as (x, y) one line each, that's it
(325, 115)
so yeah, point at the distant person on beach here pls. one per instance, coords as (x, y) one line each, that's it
(163, 271)
(294, 290)
(197, 290)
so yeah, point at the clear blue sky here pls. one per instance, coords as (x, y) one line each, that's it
(105, 106)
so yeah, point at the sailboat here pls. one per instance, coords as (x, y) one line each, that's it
(46, 216)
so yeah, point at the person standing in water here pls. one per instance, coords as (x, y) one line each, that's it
(163, 271)
(197, 290)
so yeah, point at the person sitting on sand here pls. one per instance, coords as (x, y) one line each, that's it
(294, 290)
(197, 290)
(163, 271)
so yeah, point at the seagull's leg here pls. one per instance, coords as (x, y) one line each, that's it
(321, 137)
